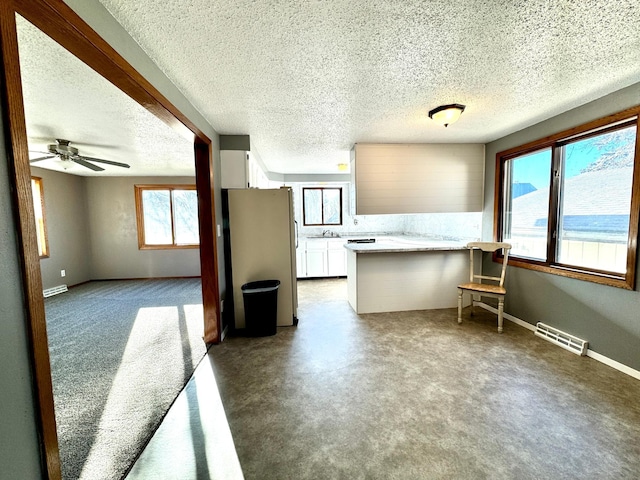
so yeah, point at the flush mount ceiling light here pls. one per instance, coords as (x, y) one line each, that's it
(343, 167)
(447, 114)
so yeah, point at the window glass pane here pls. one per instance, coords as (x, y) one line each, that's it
(312, 202)
(185, 213)
(331, 206)
(596, 200)
(157, 217)
(526, 208)
(38, 207)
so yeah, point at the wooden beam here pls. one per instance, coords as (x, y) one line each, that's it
(20, 171)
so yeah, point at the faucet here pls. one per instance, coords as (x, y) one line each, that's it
(326, 232)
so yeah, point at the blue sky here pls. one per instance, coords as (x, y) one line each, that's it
(535, 168)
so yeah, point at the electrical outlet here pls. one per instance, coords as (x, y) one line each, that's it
(219, 230)
(63, 273)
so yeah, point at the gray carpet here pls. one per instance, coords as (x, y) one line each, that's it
(121, 351)
(414, 395)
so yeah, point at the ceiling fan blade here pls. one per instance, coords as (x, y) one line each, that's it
(84, 163)
(109, 162)
(42, 158)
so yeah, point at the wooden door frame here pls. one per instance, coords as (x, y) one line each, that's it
(63, 25)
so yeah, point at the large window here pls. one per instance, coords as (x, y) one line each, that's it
(322, 206)
(167, 216)
(569, 204)
(37, 189)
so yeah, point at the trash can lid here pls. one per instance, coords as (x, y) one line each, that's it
(260, 286)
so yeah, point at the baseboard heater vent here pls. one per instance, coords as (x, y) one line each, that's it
(562, 339)
(50, 292)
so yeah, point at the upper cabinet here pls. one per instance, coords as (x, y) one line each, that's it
(238, 169)
(417, 178)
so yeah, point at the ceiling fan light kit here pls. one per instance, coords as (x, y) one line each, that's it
(69, 155)
(447, 114)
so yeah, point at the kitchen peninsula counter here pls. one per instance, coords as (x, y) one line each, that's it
(400, 244)
(399, 273)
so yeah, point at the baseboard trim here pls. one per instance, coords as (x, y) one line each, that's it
(590, 353)
(511, 318)
(613, 364)
(177, 277)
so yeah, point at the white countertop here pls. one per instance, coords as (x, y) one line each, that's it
(402, 244)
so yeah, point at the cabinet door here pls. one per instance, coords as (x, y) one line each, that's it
(316, 263)
(234, 166)
(337, 262)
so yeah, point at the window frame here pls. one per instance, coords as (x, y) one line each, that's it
(139, 189)
(603, 125)
(323, 224)
(41, 231)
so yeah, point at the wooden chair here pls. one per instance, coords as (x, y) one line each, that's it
(475, 285)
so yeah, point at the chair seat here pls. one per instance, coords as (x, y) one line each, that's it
(483, 287)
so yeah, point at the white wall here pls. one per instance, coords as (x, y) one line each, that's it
(464, 226)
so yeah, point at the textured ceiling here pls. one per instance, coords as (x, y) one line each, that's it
(66, 99)
(307, 79)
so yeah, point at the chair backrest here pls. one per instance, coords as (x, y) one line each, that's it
(488, 247)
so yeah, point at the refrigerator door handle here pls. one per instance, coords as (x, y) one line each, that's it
(296, 228)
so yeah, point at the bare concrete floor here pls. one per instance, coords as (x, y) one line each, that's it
(414, 395)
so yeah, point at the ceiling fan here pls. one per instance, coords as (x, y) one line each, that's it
(69, 155)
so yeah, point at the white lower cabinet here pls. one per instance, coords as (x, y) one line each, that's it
(316, 258)
(321, 258)
(336, 259)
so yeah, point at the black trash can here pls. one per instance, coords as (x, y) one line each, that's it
(260, 307)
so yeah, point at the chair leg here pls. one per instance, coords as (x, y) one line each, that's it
(500, 313)
(459, 306)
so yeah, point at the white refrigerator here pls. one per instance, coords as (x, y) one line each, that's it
(263, 241)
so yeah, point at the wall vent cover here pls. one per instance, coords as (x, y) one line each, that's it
(562, 339)
(49, 292)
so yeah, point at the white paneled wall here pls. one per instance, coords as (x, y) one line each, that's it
(465, 226)
(418, 178)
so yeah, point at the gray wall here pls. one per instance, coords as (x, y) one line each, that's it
(92, 12)
(605, 316)
(67, 229)
(19, 446)
(114, 238)
(92, 231)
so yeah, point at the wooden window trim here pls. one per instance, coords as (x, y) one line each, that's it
(322, 189)
(139, 189)
(42, 231)
(626, 280)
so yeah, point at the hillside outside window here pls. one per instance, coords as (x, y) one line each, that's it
(569, 205)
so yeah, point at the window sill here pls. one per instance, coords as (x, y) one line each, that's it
(609, 279)
(167, 247)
